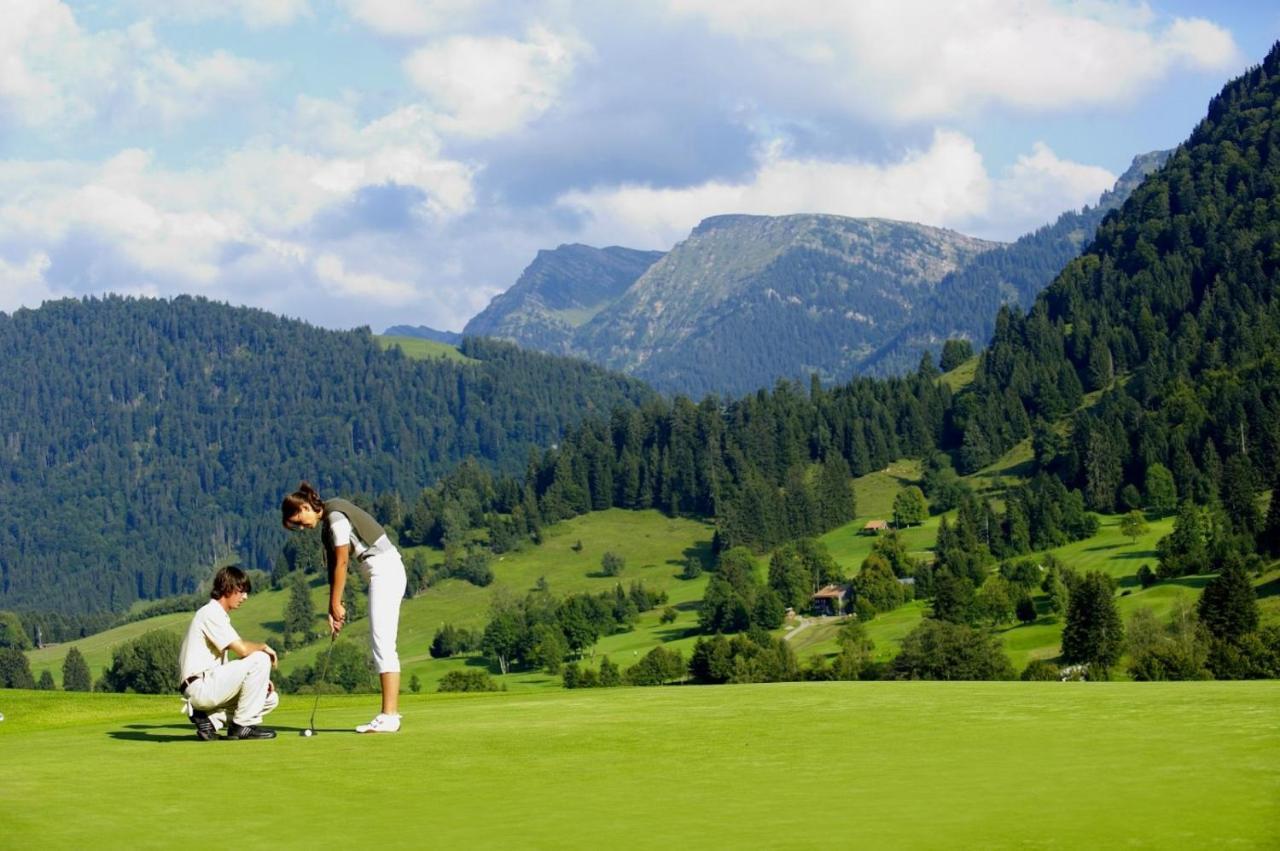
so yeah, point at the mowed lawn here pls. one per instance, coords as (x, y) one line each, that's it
(788, 765)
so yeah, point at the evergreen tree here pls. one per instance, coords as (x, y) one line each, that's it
(75, 672)
(1239, 496)
(300, 611)
(1093, 633)
(1229, 605)
(15, 670)
(1162, 495)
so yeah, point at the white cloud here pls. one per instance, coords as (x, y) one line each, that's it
(489, 86)
(923, 60)
(22, 284)
(411, 18)
(364, 285)
(57, 76)
(946, 185)
(942, 185)
(1036, 189)
(238, 229)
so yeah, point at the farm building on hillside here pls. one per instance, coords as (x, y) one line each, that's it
(830, 600)
(875, 527)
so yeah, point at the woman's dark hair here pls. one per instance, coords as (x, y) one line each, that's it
(305, 495)
(229, 580)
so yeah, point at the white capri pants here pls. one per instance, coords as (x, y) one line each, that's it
(387, 582)
(242, 686)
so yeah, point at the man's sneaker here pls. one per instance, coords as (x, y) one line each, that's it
(381, 724)
(235, 731)
(205, 731)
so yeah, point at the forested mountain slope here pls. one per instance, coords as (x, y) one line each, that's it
(1173, 312)
(965, 304)
(141, 439)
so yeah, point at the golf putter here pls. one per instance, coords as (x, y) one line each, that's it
(324, 672)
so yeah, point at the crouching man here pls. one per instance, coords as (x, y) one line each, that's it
(214, 686)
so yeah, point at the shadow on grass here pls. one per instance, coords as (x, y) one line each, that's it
(187, 733)
(702, 552)
(1269, 589)
(1102, 547)
(1136, 554)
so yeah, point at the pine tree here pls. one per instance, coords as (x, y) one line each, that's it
(1229, 605)
(299, 612)
(1093, 633)
(75, 672)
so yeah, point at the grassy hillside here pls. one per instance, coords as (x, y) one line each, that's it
(420, 348)
(655, 548)
(900, 765)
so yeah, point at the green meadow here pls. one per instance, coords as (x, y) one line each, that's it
(787, 765)
(421, 348)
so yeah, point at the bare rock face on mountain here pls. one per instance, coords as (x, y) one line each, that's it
(558, 292)
(746, 300)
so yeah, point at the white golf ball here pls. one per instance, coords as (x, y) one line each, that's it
(306, 733)
(1, 716)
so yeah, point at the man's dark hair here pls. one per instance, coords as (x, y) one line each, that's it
(229, 580)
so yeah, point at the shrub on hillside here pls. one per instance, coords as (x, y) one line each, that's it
(938, 650)
(468, 681)
(658, 666)
(146, 665)
(1040, 670)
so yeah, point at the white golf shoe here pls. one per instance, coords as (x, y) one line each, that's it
(381, 724)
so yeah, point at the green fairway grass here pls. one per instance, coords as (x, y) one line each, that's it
(793, 765)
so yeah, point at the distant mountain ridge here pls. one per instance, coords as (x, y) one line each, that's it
(557, 293)
(746, 300)
(741, 302)
(424, 332)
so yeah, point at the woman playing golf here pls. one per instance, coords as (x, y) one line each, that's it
(350, 532)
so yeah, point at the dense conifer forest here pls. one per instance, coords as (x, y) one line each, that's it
(141, 439)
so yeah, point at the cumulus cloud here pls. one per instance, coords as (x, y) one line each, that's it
(922, 60)
(57, 76)
(245, 221)
(490, 86)
(1036, 189)
(943, 184)
(23, 281)
(364, 285)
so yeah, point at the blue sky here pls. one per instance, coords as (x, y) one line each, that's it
(376, 162)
